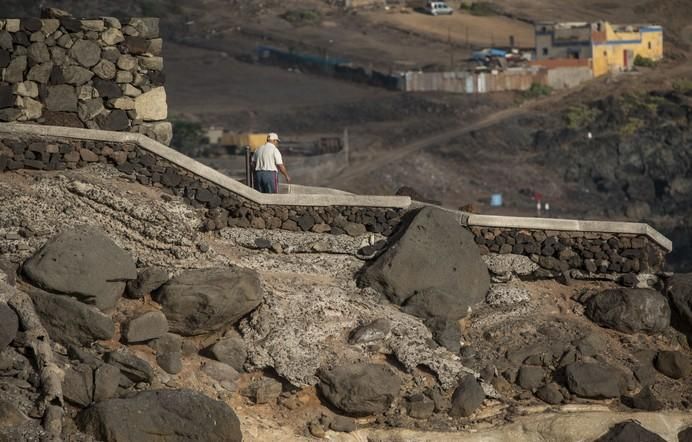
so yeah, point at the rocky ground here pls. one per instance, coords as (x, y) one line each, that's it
(296, 336)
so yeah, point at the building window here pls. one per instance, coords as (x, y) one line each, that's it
(544, 29)
(545, 51)
(605, 53)
(649, 45)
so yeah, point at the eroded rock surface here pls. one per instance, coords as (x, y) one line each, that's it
(360, 389)
(201, 301)
(434, 253)
(161, 415)
(83, 263)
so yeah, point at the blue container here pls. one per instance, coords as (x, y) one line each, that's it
(496, 200)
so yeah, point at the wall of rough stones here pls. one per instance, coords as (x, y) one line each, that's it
(224, 208)
(555, 252)
(590, 252)
(96, 74)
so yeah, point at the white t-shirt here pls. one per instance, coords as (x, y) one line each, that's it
(266, 157)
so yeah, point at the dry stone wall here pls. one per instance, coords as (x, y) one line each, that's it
(589, 252)
(96, 74)
(224, 208)
(555, 253)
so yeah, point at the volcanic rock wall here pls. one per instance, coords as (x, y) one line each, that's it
(225, 209)
(98, 74)
(592, 252)
(554, 253)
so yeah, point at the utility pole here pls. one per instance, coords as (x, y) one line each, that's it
(451, 49)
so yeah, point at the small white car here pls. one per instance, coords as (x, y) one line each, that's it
(438, 8)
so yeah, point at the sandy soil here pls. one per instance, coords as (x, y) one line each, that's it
(202, 81)
(481, 30)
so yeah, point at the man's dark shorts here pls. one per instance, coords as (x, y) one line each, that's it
(267, 181)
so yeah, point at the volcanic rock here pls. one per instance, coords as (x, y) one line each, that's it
(9, 325)
(201, 301)
(592, 380)
(673, 364)
(630, 310)
(171, 415)
(360, 389)
(83, 263)
(467, 397)
(434, 255)
(629, 431)
(69, 320)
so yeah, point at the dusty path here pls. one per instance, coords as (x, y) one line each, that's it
(383, 159)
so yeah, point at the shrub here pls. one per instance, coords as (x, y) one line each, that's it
(302, 17)
(632, 126)
(581, 116)
(682, 85)
(537, 90)
(188, 136)
(481, 8)
(644, 62)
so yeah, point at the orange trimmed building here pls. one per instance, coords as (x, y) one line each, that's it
(601, 46)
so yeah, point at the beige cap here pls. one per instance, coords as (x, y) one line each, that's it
(273, 137)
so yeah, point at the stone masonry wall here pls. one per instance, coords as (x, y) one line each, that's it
(591, 252)
(554, 252)
(225, 209)
(97, 74)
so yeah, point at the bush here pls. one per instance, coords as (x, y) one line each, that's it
(581, 116)
(537, 90)
(683, 86)
(632, 126)
(302, 17)
(481, 8)
(644, 62)
(188, 136)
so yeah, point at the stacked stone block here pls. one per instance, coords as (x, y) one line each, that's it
(591, 252)
(96, 74)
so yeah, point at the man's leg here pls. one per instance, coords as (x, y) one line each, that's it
(262, 181)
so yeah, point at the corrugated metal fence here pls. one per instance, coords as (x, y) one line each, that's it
(513, 79)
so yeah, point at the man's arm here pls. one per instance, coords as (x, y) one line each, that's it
(282, 169)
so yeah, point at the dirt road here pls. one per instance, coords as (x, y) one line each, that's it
(593, 89)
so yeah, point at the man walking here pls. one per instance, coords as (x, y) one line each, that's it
(267, 163)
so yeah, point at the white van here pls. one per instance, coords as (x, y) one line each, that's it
(438, 8)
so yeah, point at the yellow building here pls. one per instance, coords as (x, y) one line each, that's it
(605, 48)
(615, 47)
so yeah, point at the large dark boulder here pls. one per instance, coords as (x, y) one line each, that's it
(595, 381)
(629, 431)
(84, 263)
(69, 321)
(161, 416)
(467, 397)
(685, 435)
(630, 310)
(673, 364)
(360, 389)
(9, 325)
(680, 293)
(205, 300)
(434, 256)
